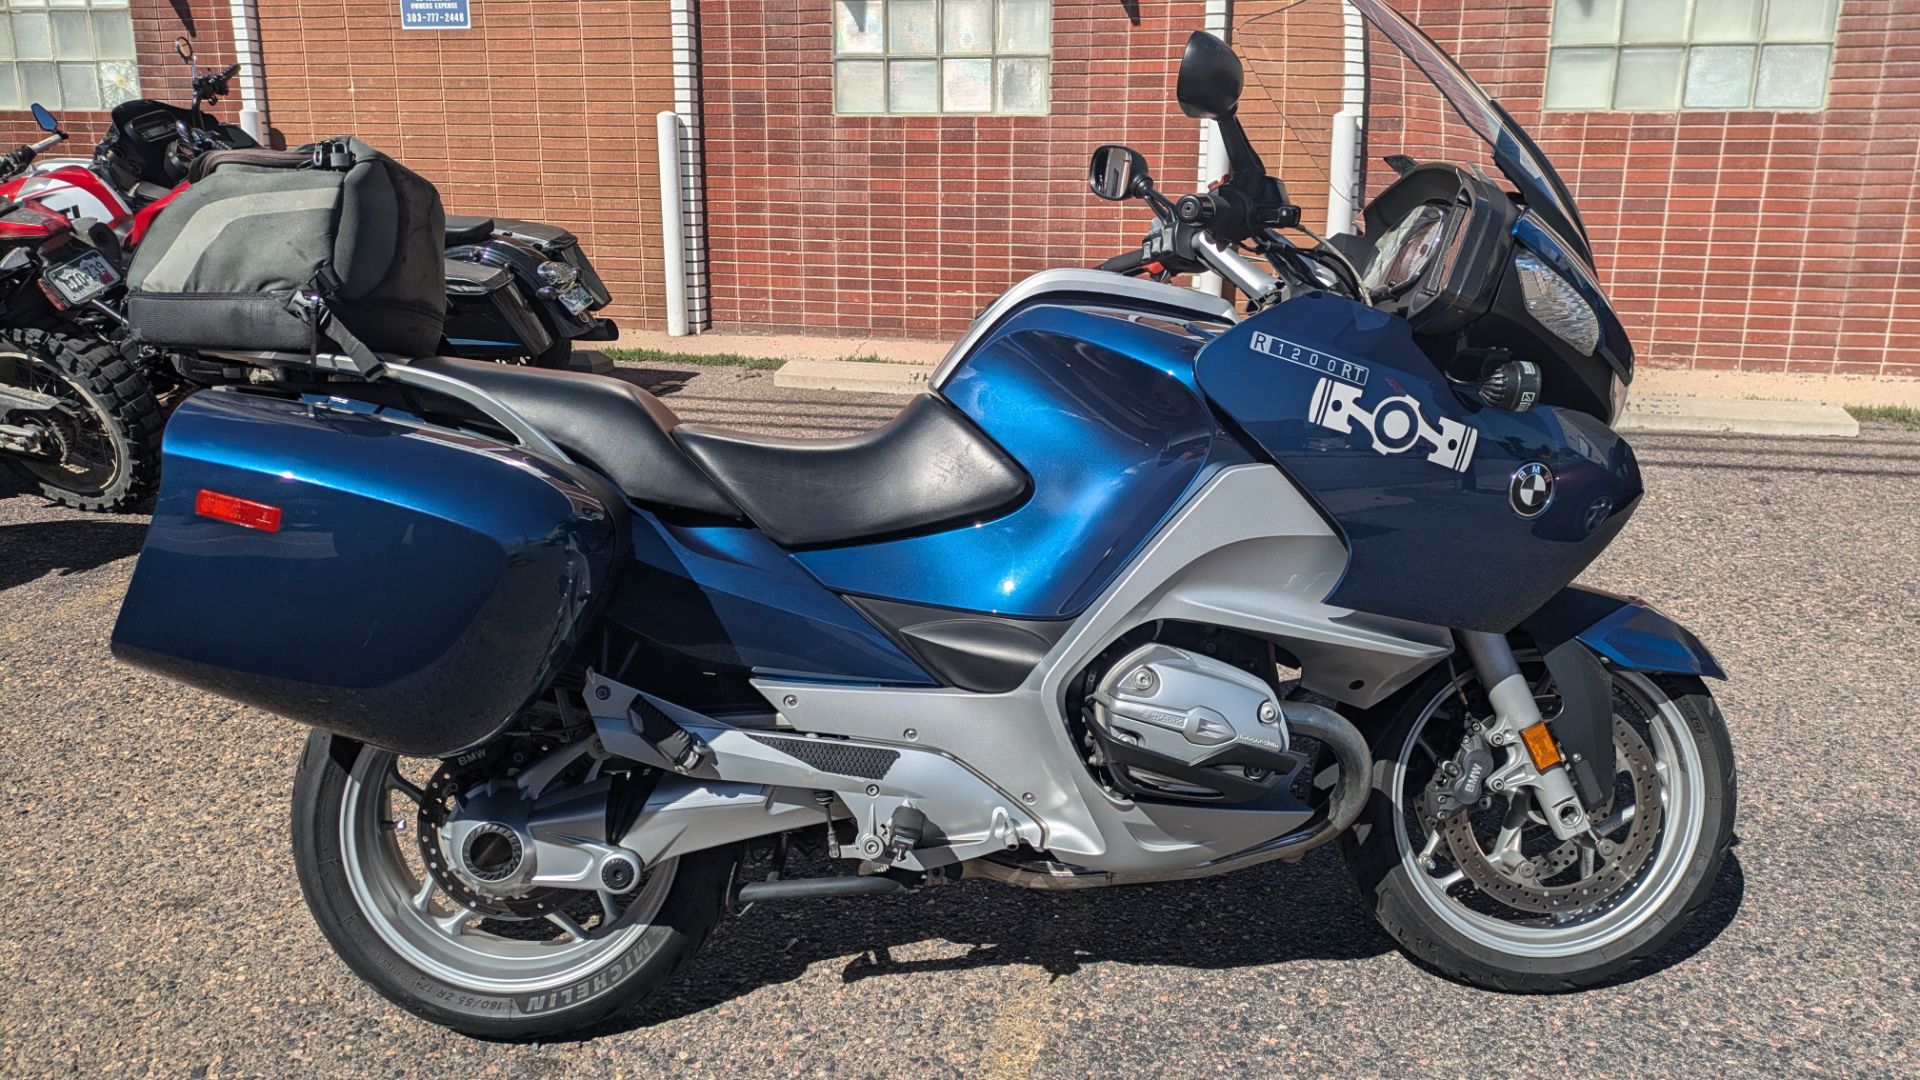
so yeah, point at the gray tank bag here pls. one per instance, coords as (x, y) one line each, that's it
(329, 248)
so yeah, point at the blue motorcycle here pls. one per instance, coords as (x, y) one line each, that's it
(1150, 587)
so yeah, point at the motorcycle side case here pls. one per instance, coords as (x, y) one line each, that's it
(418, 586)
(488, 316)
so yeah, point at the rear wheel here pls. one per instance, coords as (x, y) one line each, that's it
(1490, 896)
(102, 439)
(550, 962)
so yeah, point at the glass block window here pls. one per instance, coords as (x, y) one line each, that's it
(1663, 55)
(941, 56)
(66, 54)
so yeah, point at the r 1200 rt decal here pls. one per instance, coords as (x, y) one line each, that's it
(1395, 426)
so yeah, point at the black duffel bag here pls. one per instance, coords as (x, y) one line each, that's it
(333, 247)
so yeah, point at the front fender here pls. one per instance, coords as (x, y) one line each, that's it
(1621, 631)
(1583, 632)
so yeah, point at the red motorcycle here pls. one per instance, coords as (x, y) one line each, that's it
(77, 416)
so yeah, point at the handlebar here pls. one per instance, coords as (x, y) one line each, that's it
(18, 159)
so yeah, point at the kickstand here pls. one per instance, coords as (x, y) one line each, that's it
(780, 845)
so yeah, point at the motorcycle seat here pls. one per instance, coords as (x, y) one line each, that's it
(605, 423)
(468, 230)
(928, 466)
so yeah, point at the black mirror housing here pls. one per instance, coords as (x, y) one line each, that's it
(183, 48)
(1117, 172)
(44, 118)
(1210, 78)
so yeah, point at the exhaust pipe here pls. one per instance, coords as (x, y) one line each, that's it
(1343, 809)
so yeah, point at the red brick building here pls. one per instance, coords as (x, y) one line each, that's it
(885, 167)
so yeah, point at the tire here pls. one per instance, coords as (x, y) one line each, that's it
(121, 416)
(1650, 908)
(618, 978)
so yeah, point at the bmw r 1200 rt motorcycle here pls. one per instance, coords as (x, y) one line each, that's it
(1146, 589)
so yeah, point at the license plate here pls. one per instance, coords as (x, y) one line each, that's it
(84, 278)
(576, 299)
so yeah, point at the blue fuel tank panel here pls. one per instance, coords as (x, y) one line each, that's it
(1101, 409)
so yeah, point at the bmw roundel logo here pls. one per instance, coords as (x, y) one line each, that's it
(1531, 489)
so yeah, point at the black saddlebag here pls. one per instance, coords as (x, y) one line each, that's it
(233, 262)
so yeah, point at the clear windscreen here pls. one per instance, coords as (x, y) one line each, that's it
(1314, 66)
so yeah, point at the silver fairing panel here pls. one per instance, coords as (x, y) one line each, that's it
(1247, 552)
(1082, 285)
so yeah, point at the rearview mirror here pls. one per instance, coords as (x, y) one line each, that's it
(184, 48)
(1116, 171)
(44, 118)
(1210, 78)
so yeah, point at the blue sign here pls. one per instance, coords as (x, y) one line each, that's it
(435, 15)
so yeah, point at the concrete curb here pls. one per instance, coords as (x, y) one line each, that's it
(853, 375)
(1663, 415)
(1647, 414)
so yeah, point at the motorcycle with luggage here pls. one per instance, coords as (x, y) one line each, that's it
(1148, 587)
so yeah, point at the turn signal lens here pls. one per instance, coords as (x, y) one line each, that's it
(232, 508)
(1557, 304)
(1541, 747)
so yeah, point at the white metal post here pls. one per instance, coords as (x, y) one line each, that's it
(1343, 171)
(673, 241)
(245, 15)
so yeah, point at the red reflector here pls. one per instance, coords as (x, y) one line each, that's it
(237, 510)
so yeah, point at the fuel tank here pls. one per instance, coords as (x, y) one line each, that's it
(1097, 401)
(1454, 513)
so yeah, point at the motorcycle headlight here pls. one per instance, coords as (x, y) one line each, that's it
(558, 275)
(1558, 306)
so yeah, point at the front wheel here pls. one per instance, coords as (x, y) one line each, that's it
(540, 965)
(1490, 896)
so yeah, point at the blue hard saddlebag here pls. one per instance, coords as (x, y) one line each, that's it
(407, 585)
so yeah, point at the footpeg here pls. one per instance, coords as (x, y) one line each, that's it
(678, 746)
(904, 830)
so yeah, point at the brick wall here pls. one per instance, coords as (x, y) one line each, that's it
(906, 226)
(544, 110)
(1756, 241)
(163, 75)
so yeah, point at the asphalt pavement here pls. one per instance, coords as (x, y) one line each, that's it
(150, 923)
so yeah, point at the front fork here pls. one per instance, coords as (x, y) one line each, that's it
(1533, 759)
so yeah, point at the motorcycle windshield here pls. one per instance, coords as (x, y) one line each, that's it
(1309, 59)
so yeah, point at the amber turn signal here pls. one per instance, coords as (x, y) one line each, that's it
(1541, 746)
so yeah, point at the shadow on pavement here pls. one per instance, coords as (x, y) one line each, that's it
(31, 550)
(1264, 915)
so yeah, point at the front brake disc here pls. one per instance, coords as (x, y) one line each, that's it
(1522, 885)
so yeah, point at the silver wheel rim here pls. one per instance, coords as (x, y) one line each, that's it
(1683, 792)
(435, 935)
(40, 374)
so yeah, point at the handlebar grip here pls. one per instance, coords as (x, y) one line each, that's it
(1125, 263)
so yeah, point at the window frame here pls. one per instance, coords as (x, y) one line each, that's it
(885, 58)
(1687, 44)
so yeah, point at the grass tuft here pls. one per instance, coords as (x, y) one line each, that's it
(662, 356)
(1906, 415)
